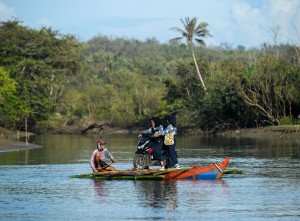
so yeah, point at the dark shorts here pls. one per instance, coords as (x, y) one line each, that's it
(101, 162)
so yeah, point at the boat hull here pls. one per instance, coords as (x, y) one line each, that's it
(213, 171)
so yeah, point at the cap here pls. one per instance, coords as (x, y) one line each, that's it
(101, 142)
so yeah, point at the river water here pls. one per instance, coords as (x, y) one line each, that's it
(35, 184)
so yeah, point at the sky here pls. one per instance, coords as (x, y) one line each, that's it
(248, 23)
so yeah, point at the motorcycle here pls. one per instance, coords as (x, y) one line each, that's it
(143, 155)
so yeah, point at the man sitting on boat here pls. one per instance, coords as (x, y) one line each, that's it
(97, 160)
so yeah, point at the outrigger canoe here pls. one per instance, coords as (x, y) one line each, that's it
(212, 171)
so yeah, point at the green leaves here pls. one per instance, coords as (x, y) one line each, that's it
(192, 31)
(41, 62)
(53, 80)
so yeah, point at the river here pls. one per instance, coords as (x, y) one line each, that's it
(35, 184)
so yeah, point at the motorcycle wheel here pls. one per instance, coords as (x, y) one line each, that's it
(141, 161)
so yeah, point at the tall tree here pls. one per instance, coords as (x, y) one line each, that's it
(193, 32)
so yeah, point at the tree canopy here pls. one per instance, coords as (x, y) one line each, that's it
(42, 63)
(55, 81)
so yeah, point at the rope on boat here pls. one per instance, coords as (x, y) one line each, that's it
(219, 168)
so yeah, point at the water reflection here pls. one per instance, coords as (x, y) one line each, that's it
(267, 147)
(71, 149)
(207, 194)
(99, 188)
(149, 193)
(157, 193)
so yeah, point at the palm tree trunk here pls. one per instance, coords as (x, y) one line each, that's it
(197, 68)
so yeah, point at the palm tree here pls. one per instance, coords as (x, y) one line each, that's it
(192, 32)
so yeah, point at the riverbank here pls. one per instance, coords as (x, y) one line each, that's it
(286, 131)
(10, 140)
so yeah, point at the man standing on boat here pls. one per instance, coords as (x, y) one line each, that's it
(97, 160)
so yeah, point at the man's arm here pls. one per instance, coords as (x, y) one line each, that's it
(92, 161)
(109, 156)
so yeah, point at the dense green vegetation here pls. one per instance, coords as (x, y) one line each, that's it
(53, 81)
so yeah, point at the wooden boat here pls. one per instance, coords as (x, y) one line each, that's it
(212, 171)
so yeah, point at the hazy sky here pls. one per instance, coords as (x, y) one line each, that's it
(235, 22)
